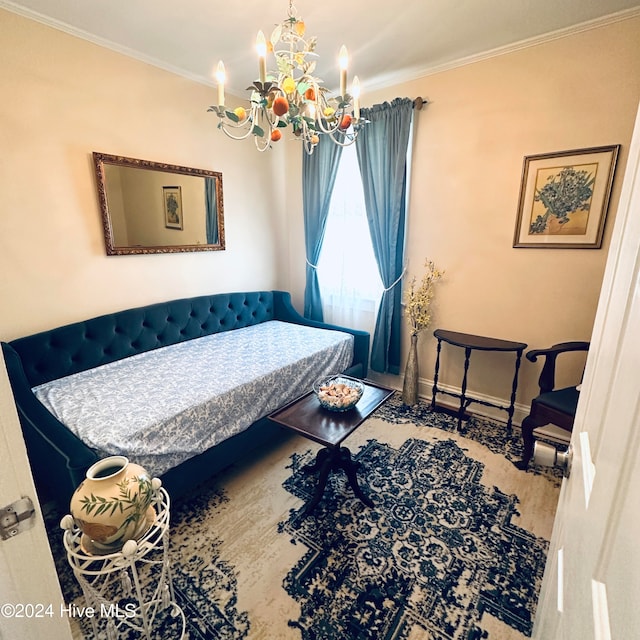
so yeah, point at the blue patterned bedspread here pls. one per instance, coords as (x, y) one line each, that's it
(161, 407)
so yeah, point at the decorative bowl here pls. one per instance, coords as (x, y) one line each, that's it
(338, 393)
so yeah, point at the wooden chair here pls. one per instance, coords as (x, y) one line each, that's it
(551, 406)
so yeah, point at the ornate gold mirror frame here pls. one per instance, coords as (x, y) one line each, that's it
(152, 207)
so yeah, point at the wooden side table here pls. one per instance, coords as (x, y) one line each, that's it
(469, 343)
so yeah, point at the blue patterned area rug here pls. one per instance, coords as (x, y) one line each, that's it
(454, 548)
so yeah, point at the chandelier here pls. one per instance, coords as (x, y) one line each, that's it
(291, 97)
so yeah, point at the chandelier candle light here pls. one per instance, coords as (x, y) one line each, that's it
(292, 96)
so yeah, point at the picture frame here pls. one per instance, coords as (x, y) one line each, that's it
(564, 198)
(172, 203)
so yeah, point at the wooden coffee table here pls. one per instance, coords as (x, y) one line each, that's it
(329, 428)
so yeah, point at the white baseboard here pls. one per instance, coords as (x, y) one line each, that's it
(425, 391)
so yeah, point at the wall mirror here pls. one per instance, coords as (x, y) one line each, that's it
(151, 207)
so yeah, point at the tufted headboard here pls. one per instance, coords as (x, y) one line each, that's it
(84, 345)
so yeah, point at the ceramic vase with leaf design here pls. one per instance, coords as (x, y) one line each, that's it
(410, 384)
(113, 503)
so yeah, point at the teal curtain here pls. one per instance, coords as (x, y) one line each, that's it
(318, 177)
(211, 211)
(382, 147)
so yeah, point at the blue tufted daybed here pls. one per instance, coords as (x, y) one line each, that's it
(60, 458)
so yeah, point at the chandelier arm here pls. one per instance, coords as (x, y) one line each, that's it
(350, 137)
(234, 137)
(265, 144)
(271, 118)
(338, 117)
(267, 121)
(322, 122)
(248, 123)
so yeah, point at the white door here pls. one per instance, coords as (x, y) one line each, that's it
(30, 597)
(591, 588)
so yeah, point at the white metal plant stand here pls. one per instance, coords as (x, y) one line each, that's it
(130, 587)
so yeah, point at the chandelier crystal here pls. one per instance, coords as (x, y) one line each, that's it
(290, 97)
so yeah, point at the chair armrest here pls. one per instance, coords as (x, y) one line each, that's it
(547, 378)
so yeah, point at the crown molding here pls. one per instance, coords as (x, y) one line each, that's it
(430, 70)
(383, 82)
(101, 42)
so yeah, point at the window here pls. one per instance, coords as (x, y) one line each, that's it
(348, 276)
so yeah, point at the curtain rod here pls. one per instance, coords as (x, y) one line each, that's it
(419, 102)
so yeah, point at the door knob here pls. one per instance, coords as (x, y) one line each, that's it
(548, 456)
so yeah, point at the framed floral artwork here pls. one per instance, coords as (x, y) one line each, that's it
(564, 197)
(172, 198)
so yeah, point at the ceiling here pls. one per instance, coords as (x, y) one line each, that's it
(388, 42)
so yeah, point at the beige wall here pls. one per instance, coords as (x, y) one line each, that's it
(64, 98)
(470, 141)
